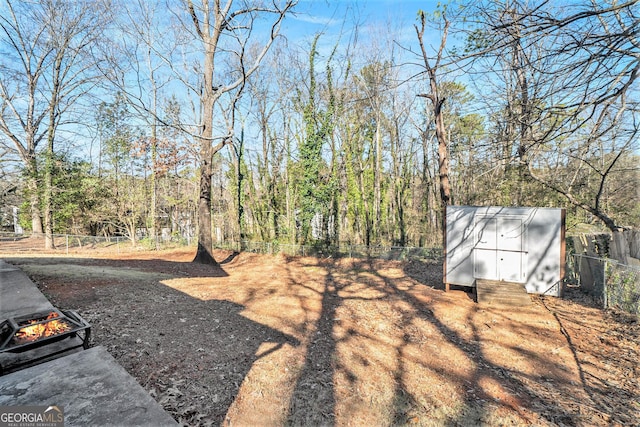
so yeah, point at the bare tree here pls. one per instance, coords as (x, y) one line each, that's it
(600, 52)
(222, 27)
(72, 30)
(44, 73)
(138, 64)
(437, 102)
(22, 112)
(569, 94)
(271, 112)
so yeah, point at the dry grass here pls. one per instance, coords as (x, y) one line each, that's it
(271, 340)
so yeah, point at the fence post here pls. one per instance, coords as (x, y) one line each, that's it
(67, 242)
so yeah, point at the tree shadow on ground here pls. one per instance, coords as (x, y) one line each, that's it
(174, 344)
(426, 272)
(206, 347)
(486, 388)
(564, 411)
(233, 255)
(313, 399)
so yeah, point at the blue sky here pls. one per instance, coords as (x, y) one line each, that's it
(319, 12)
(331, 17)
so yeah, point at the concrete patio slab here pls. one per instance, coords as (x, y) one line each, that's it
(90, 387)
(18, 294)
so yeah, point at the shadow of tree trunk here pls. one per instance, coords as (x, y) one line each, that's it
(313, 400)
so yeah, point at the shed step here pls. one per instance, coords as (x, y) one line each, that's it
(501, 293)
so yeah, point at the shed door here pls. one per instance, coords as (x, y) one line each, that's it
(500, 252)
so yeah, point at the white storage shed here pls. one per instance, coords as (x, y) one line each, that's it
(511, 244)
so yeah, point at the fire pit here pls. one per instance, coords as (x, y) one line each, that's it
(24, 333)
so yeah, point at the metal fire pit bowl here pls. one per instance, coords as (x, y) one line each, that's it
(10, 327)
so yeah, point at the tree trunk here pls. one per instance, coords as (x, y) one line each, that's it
(438, 102)
(210, 21)
(443, 152)
(36, 219)
(377, 193)
(32, 184)
(48, 184)
(239, 198)
(204, 253)
(154, 181)
(48, 194)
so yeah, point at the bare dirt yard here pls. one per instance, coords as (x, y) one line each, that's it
(272, 340)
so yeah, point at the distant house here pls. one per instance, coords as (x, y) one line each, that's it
(9, 219)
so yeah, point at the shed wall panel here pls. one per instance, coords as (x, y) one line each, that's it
(503, 243)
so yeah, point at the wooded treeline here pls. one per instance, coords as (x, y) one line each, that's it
(141, 118)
